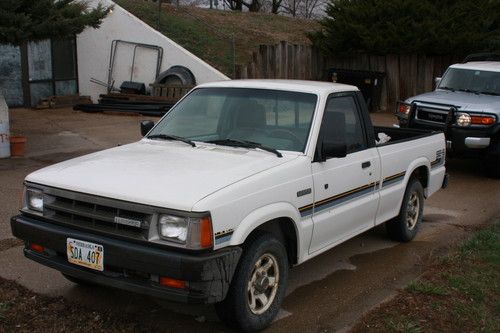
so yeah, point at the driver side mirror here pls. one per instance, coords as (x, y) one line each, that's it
(330, 149)
(437, 80)
(146, 126)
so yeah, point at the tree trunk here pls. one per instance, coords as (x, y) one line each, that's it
(254, 6)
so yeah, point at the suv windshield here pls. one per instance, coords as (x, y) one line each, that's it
(470, 80)
(272, 118)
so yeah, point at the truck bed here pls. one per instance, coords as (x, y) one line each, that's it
(401, 134)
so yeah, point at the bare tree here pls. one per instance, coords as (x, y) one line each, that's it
(237, 5)
(304, 8)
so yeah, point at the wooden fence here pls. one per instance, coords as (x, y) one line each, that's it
(405, 75)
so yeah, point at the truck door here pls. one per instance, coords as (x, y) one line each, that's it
(344, 188)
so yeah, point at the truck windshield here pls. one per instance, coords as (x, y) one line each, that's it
(475, 81)
(271, 118)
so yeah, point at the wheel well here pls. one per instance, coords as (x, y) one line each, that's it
(422, 174)
(284, 229)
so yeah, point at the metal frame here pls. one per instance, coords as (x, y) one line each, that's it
(112, 57)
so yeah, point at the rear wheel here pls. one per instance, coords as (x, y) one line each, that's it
(404, 227)
(258, 286)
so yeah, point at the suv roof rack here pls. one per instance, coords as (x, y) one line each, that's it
(487, 56)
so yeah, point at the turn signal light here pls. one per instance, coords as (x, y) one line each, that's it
(404, 108)
(37, 248)
(206, 236)
(482, 120)
(172, 283)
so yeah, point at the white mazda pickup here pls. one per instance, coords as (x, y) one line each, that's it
(238, 182)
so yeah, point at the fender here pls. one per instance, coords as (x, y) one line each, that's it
(265, 214)
(421, 161)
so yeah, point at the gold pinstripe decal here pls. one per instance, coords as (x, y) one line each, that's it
(394, 176)
(341, 195)
(338, 196)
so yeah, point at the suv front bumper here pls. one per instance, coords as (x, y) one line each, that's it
(471, 141)
(133, 267)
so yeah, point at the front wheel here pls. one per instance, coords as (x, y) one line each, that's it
(493, 166)
(258, 285)
(404, 227)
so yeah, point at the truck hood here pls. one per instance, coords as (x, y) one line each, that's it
(159, 173)
(466, 101)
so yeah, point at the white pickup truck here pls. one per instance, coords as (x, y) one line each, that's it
(240, 181)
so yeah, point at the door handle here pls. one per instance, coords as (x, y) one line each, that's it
(366, 164)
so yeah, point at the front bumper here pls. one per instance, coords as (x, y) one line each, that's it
(471, 141)
(134, 267)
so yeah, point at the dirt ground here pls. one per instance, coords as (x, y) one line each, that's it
(329, 293)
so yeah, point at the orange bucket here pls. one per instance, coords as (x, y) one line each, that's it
(17, 145)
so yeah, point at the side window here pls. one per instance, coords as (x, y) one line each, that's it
(342, 123)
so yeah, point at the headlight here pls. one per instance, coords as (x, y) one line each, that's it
(463, 119)
(173, 227)
(34, 200)
(192, 232)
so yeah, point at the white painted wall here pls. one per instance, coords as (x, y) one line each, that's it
(93, 51)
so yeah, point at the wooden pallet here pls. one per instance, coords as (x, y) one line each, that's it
(54, 102)
(171, 92)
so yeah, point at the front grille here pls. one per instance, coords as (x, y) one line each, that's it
(432, 115)
(68, 209)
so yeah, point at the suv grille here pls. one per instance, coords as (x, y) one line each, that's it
(432, 115)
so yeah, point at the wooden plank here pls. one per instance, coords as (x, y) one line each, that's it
(429, 77)
(412, 79)
(290, 61)
(421, 60)
(284, 46)
(404, 76)
(392, 70)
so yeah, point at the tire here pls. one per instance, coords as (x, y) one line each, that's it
(177, 75)
(404, 227)
(493, 166)
(77, 280)
(244, 308)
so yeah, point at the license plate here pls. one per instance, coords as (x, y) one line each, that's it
(85, 254)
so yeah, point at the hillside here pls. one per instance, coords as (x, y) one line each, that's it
(208, 33)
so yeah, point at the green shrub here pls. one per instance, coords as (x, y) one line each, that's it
(442, 27)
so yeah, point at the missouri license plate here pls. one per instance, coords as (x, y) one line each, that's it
(85, 254)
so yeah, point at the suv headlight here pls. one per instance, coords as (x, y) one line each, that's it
(463, 119)
(192, 232)
(33, 199)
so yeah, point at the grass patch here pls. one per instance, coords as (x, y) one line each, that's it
(4, 307)
(426, 288)
(458, 293)
(403, 325)
(207, 33)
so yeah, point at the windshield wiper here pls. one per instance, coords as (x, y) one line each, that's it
(469, 91)
(244, 144)
(171, 137)
(447, 88)
(492, 93)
